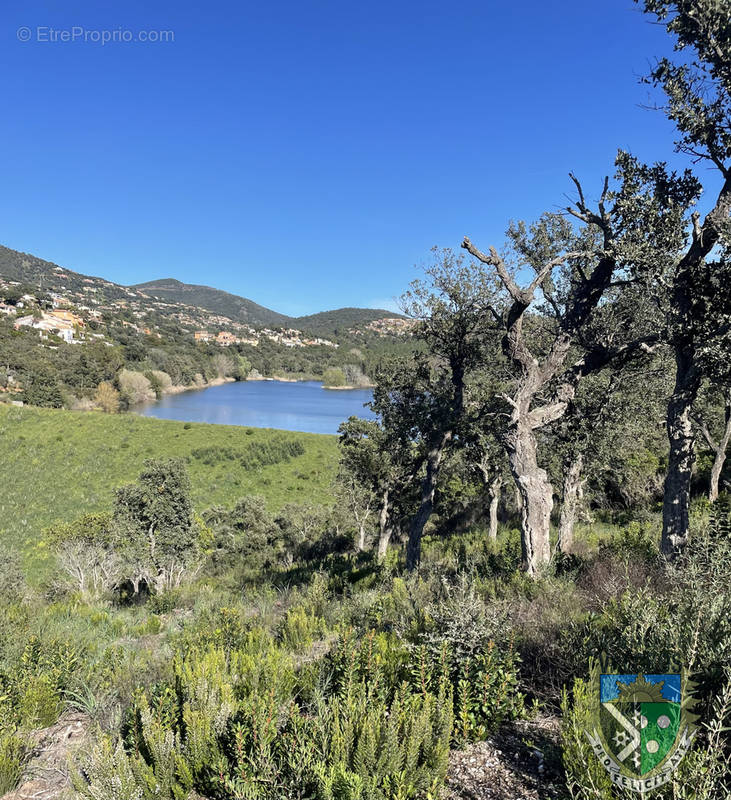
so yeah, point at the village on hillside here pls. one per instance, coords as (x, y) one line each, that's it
(65, 312)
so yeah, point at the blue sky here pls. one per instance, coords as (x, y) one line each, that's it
(307, 154)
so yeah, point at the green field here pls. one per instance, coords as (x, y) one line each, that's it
(57, 465)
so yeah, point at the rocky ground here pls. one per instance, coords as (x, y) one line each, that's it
(520, 762)
(46, 775)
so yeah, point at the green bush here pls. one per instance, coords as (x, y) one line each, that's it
(299, 627)
(688, 623)
(237, 725)
(274, 450)
(12, 756)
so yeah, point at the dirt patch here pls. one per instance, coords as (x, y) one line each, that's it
(520, 762)
(46, 775)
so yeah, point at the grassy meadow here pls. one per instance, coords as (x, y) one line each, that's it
(58, 465)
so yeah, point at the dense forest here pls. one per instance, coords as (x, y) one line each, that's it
(542, 498)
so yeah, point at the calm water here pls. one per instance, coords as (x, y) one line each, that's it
(304, 406)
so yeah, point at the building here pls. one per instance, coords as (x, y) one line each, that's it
(50, 323)
(203, 336)
(225, 338)
(68, 316)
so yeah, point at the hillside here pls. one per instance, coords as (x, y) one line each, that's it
(341, 320)
(337, 321)
(61, 464)
(187, 303)
(237, 308)
(63, 333)
(45, 276)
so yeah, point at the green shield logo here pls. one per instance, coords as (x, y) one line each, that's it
(643, 727)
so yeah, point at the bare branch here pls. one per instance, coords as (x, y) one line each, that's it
(703, 428)
(494, 260)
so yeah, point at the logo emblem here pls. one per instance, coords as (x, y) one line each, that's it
(643, 727)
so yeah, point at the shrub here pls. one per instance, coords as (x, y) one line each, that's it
(333, 377)
(134, 387)
(107, 398)
(299, 627)
(688, 624)
(163, 381)
(274, 450)
(12, 757)
(234, 725)
(40, 702)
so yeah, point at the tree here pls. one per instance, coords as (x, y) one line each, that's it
(85, 551)
(451, 311)
(242, 368)
(550, 331)
(716, 432)
(490, 466)
(381, 466)
(354, 375)
(107, 398)
(244, 536)
(698, 94)
(42, 389)
(224, 365)
(578, 440)
(134, 387)
(360, 503)
(155, 528)
(333, 377)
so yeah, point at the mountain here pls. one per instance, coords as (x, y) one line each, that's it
(244, 310)
(173, 298)
(228, 305)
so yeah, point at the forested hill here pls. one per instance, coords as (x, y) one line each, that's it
(341, 319)
(16, 266)
(216, 300)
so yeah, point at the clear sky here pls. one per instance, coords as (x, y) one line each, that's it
(307, 153)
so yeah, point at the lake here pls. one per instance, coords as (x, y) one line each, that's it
(303, 406)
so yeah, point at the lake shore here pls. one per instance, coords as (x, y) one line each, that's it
(280, 379)
(179, 388)
(348, 388)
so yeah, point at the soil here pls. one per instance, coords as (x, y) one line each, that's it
(46, 773)
(519, 762)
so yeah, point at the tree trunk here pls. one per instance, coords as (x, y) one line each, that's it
(570, 504)
(676, 500)
(384, 529)
(426, 505)
(383, 541)
(495, 486)
(360, 544)
(720, 458)
(536, 495)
